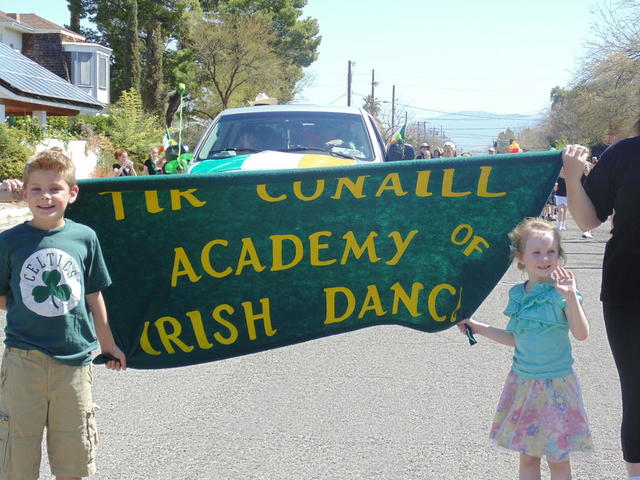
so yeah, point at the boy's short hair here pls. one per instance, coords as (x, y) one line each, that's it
(54, 160)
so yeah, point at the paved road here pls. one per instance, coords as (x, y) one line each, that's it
(380, 403)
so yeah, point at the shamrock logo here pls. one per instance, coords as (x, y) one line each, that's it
(51, 288)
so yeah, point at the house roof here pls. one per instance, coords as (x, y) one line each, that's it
(35, 22)
(25, 78)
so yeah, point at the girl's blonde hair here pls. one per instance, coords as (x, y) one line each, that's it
(528, 227)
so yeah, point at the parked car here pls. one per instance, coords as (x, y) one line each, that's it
(282, 136)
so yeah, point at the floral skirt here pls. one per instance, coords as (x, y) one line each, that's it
(542, 417)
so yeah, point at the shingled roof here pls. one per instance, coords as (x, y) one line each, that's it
(26, 78)
(35, 22)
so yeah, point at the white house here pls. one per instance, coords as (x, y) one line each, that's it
(62, 52)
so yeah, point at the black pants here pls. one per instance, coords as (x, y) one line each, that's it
(623, 331)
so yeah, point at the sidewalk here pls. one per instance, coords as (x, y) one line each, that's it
(12, 213)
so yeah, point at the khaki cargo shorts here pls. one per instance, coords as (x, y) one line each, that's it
(37, 391)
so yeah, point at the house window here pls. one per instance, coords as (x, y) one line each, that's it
(102, 72)
(83, 68)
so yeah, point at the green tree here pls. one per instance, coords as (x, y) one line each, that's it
(603, 96)
(13, 152)
(236, 57)
(141, 34)
(131, 128)
(76, 13)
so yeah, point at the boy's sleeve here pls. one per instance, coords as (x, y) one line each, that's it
(5, 271)
(96, 274)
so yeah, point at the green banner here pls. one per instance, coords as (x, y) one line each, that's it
(212, 266)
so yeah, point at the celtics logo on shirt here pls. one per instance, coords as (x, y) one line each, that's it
(50, 282)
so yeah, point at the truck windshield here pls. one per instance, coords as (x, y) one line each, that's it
(340, 134)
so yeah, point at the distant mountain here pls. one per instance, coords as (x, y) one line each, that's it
(475, 131)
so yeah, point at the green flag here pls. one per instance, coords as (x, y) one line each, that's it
(401, 136)
(211, 266)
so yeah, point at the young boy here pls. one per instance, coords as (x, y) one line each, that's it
(51, 270)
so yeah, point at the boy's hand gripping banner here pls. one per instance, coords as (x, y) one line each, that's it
(211, 266)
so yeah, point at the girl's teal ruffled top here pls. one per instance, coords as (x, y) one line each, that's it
(541, 331)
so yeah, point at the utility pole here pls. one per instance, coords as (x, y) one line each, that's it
(393, 109)
(349, 85)
(374, 84)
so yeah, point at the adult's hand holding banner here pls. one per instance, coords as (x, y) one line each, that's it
(212, 266)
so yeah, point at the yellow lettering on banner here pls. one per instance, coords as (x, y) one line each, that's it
(433, 296)
(330, 301)
(205, 259)
(145, 343)
(276, 248)
(177, 195)
(473, 243)
(410, 303)
(198, 330)
(355, 188)
(182, 266)
(401, 245)
(261, 190)
(248, 256)
(251, 318)
(351, 245)
(447, 184)
(233, 331)
(391, 182)
(422, 184)
(152, 202)
(315, 246)
(170, 329)
(454, 314)
(168, 338)
(455, 237)
(483, 183)
(297, 191)
(372, 302)
(118, 205)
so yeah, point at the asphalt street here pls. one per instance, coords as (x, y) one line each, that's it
(379, 403)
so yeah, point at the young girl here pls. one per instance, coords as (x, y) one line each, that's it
(540, 412)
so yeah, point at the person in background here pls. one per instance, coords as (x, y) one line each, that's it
(492, 151)
(154, 164)
(549, 211)
(612, 186)
(540, 412)
(513, 147)
(424, 152)
(449, 150)
(123, 166)
(561, 201)
(437, 152)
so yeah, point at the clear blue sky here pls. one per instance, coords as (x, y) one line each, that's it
(500, 56)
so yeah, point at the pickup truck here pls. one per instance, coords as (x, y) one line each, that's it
(289, 136)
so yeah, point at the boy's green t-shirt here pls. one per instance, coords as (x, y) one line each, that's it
(45, 275)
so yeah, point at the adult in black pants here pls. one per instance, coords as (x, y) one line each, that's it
(613, 186)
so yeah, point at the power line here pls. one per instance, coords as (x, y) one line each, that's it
(466, 115)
